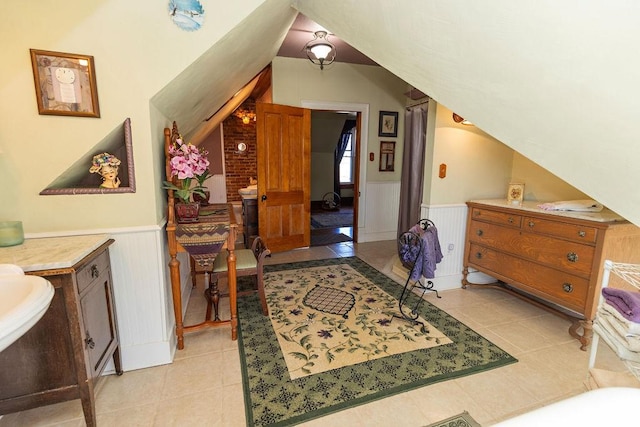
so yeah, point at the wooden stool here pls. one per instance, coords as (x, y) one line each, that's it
(249, 262)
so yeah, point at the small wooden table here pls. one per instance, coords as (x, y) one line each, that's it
(215, 230)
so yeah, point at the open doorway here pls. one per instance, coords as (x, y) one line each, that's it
(334, 176)
(360, 172)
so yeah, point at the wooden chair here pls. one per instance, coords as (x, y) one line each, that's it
(249, 262)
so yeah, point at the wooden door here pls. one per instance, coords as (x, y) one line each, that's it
(284, 176)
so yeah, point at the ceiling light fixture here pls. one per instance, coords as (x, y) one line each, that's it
(460, 119)
(320, 50)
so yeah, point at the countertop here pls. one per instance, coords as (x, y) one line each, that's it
(605, 215)
(51, 252)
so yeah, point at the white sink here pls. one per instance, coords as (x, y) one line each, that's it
(23, 301)
(249, 190)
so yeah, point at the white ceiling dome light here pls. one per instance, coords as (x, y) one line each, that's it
(320, 50)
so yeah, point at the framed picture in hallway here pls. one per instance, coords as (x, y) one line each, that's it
(388, 123)
(65, 84)
(387, 154)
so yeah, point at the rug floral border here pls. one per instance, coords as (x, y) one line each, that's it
(272, 399)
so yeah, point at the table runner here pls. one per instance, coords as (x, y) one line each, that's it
(204, 239)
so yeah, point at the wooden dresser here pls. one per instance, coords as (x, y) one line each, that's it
(553, 259)
(60, 358)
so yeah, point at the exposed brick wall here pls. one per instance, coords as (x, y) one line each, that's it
(239, 167)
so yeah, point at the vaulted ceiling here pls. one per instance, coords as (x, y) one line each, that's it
(556, 81)
(302, 31)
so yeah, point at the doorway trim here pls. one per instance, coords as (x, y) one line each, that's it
(363, 109)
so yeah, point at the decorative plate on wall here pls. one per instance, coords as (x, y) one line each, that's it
(186, 14)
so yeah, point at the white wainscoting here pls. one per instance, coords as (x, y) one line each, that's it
(139, 262)
(378, 219)
(451, 222)
(142, 291)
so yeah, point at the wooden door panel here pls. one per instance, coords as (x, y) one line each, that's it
(284, 186)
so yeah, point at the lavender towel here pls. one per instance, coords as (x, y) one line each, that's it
(431, 253)
(426, 259)
(626, 302)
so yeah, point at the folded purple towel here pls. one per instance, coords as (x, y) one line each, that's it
(626, 302)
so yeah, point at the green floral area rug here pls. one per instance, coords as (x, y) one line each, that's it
(309, 301)
(331, 316)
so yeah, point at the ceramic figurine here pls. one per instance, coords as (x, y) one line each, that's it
(107, 166)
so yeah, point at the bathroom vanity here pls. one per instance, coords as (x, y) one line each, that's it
(554, 258)
(60, 358)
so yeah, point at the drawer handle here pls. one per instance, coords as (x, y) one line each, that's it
(510, 220)
(94, 271)
(531, 224)
(582, 233)
(479, 255)
(479, 232)
(567, 287)
(89, 342)
(572, 257)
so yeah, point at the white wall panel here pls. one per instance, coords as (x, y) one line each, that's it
(142, 297)
(380, 212)
(451, 222)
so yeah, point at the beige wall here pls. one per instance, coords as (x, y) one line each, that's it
(540, 184)
(478, 166)
(137, 50)
(138, 58)
(481, 167)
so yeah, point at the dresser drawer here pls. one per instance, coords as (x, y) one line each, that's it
(574, 257)
(496, 217)
(92, 270)
(575, 232)
(553, 285)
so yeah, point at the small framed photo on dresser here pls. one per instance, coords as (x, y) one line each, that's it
(515, 193)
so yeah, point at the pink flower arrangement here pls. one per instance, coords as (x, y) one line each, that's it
(187, 162)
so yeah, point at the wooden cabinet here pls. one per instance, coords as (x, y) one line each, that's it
(249, 220)
(62, 355)
(549, 258)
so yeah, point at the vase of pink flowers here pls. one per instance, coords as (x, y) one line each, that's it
(187, 164)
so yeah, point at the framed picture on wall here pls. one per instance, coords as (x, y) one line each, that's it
(388, 123)
(387, 154)
(65, 84)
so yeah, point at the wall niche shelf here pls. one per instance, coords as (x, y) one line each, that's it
(78, 180)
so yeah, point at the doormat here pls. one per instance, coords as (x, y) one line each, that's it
(460, 420)
(318, 239)
(272, 398)
(332, 220)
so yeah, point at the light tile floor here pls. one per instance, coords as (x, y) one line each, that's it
(203, 386)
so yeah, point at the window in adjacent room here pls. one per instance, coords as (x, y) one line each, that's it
(346, 164)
